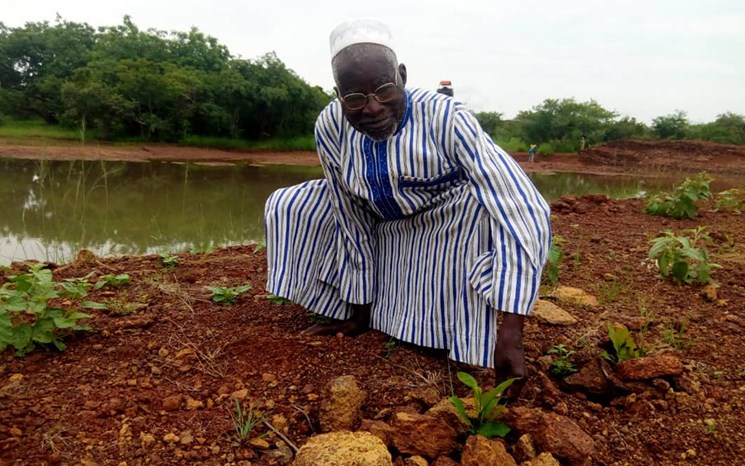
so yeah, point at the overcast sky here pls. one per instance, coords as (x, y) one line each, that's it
(642, 58)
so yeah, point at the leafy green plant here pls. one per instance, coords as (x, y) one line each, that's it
(681, 202)
(112, 280)
(389, 347)
(26, 317)
(486, 407)
(245, 420)
(730, 200)
(681, 258)
(273, 298)
(555, 255)
(169, 261)
(226, 294)
(624, 346)
(562, 365)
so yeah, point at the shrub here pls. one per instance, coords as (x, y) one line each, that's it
(681, 202)
(680, 258)
(730, 200)
(26, 317)
(561, 365)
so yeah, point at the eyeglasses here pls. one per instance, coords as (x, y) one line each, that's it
(358, 100)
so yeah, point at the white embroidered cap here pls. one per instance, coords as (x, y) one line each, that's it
(359, 31)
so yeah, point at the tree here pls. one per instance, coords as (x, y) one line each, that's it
(728, 128)
(489, 121)
(672, 126)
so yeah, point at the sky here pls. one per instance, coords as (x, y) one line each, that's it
(639, 58)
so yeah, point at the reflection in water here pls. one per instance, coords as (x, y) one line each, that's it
(50, 210)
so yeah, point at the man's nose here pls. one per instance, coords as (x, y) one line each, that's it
(372, 106)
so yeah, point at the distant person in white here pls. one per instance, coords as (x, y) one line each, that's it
(423, 228)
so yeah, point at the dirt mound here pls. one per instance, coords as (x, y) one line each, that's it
(690, 156)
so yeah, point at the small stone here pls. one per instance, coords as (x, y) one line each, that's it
(259, 443)
(170, 438)
(163, 352)
(239, 395)
(146, 439)
(312, 397)
(550, 313)
(186, 438)
(132, 382)
(16, 432)
(415, 461)
(172, 403)
(16, 378)
(568, 294)
(267, 377)
(192, 404)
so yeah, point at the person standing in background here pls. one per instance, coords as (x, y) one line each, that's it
(531, 152)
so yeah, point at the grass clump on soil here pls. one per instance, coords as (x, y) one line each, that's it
(29, 319)
(486, 407)
(245, 420)
(168, 261)
(731, 200)
(680, 257)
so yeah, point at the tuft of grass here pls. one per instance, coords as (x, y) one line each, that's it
(245, 420)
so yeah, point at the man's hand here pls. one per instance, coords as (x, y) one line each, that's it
(509, 355)
(357, 324)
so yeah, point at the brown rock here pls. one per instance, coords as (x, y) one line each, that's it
(341, 405)
(379, 429)
(567, 294)
(418, 434)
(649, 367)
(551, 432)
(544, 459)
(480, 451)
(172, 403)
(590, 379)
(524, 449)
(550, 313)
(415, 461)
(427, 395)
(445, 411)
(343, 449)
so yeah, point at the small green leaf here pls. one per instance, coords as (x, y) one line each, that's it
(93, 305)
(493, 429)
(460, 408)
(468, 380)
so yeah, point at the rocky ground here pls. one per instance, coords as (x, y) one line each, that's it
(159, 379)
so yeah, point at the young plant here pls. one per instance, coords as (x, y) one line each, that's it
(681, 202)
(675, 336)
(168, 261)
(273, 298)
(227, 295)
(681, 258)
(26, 317)
(244, 421)
(112, 280)
(624, 346)
(730, 200)
(562, 366)
(555, 255)
(259, 246)
(486, 407)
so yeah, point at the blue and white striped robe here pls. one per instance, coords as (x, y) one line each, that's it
(436, 226)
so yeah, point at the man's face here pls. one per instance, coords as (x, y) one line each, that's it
(364, 71)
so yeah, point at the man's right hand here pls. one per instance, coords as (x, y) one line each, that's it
(359, 323)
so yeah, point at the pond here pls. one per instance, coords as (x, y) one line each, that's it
(50, 210)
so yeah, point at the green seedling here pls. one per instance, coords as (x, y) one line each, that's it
(675, 337)
(259, 246)
(168, 261)
(624, 346)
(684, 259)
(244, 421)
(555, 255)
(730, 200)
(26, 318)
(112, 280)
(562, 365)
(273, 298)
(486, 407)
(390, 347)
(227, 295)
(681, 202)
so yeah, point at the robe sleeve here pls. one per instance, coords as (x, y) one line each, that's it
(509, 275)
(355, 224)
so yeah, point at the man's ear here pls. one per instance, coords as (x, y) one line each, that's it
(402, 73)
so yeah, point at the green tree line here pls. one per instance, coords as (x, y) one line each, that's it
(558, 125)
(122, 82)
(128, 83)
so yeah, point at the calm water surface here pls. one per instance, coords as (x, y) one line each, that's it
(50, 210)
